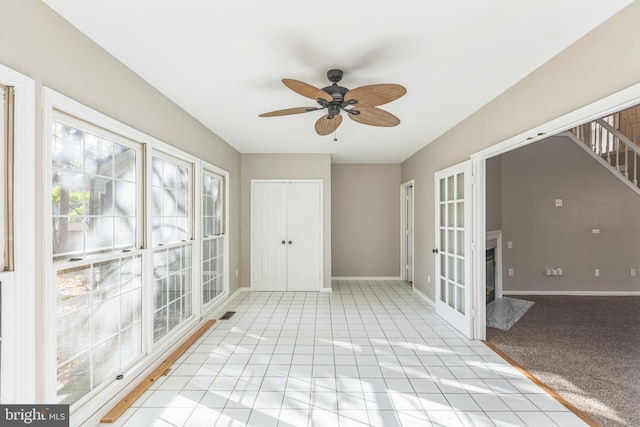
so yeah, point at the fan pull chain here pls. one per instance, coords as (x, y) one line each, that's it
(335, 135)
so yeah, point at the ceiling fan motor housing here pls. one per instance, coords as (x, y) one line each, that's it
(337, 92)
(334, 75)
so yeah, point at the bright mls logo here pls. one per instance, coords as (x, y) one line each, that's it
(34, 415)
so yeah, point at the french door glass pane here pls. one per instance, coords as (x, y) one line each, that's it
(451, 224)
(459, 186)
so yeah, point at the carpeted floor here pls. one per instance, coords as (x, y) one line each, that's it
(586, 349)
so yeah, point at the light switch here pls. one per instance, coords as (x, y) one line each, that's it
(595, 231)
(558, 202)
(510, 245)
(510, 272)
(597, 272)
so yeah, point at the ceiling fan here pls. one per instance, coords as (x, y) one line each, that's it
(360, 103)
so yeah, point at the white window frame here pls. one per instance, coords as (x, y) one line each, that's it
(65, 119)
(190, 163)
(90, 408)
(19, 347)
(93, 258)
(206, 309)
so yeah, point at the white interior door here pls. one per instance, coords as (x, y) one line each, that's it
(406, 231)
(286, 236)
(453, 246)
(409, 233)
(303, 236)
(269, 234)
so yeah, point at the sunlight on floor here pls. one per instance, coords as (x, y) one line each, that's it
(370, 354)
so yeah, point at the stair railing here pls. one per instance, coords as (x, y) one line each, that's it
(611, 145)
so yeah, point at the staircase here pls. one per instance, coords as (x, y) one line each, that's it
(614, 141)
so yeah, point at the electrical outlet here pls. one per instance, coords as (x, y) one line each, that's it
(597, 272)
(558, 202)
(236, 274)
(428, 278)
(510, 245)
(633, 272)
(510, 272)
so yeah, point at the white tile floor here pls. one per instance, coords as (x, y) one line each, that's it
(369, 354)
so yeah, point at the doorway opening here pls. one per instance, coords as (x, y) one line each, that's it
(553, 301)
(616, 102)
(406, 231)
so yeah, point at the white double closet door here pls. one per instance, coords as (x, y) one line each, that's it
(286, 236)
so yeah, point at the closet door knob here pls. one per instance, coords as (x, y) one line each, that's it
(290, 242)
(283, 242)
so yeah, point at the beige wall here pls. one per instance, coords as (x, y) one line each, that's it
(365, 213)
(565, 83)
(546, 236)
(283, 166)
(37, 42)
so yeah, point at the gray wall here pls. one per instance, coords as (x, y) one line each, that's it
(283, 166)
(546, 236)
(567, 82)
(365, 213)
(494, 194)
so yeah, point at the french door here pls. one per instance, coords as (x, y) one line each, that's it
(286, 236)
(453, 246)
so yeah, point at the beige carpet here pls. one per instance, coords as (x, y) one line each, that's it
(586, 349)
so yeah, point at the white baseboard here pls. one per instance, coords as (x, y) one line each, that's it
(576, 293)
(326, 290)
(424, 297)
(361, 278)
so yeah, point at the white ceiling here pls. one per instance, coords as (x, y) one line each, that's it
(222, 61)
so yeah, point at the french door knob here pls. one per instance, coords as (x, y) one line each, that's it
(283, 242)
(435, 251)
(290, 242)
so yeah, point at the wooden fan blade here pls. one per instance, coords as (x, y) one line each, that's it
(325, 125)
(306, 90)
(288, 111)
(375, 117)
(374, 95)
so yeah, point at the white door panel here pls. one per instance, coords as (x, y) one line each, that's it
(453, 246)
(269, 257)
(286, 236)
(303, 233)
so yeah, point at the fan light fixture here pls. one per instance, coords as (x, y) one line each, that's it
(360, 103)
